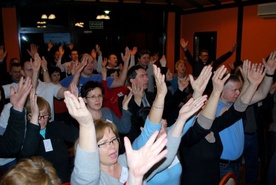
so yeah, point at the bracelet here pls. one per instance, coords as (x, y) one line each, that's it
(268, 75)
(44, 70)
(158, 106)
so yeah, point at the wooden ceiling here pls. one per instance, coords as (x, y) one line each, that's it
(184, 6)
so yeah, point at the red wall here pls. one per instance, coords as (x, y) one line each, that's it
(10, 33)
(224, 22)
(259, 35)
(170, 41)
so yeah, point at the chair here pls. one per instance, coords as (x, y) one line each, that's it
(228, 179)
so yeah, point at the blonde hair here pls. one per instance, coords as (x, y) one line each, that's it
(41, 103)
(100, 126)
(35, 170)
(178, 63)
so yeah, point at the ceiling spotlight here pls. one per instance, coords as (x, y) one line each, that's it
(106, 11)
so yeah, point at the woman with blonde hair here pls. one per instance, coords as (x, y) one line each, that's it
(35, 170)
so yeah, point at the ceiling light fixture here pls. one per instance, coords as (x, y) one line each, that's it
(44, 16)
(52, 16)
(106, 11)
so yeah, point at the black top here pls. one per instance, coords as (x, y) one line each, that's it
(12, 139)
(200, 157)
(59, 133)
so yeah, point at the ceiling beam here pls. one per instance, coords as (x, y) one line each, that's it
(216, 2)
(194, 3)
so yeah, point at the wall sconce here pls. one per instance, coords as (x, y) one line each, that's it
(51, 16)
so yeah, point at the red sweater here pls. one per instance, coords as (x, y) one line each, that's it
(111, 97)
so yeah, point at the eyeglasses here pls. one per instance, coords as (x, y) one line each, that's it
(108, 143)
(94, 97)
(43, 116)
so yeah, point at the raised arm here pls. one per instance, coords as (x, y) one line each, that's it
(132, 56)
(140, 161)
(187, 110)
(12, 139)
(184, 45)
(264, 88)
(122, 78)
(156, 111)
(78, 110)
(209, 110)
(44, 70)
(201, 82)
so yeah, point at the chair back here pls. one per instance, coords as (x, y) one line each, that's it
(228, 179)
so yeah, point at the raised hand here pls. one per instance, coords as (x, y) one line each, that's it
(137, 91)
(3, 53)
(93, 54)
(98, 50)
(183, 43)
(191, 107)
(219, 79)
(270, 65)
(74, 89)
(163, 61)
(44, 63)
(126, 100)
(77, 109)
(36, 63)
(201, 82)
(33, 50)
(140, 161)
(256, 74)
(234, 48)
(126, 56)
(160, 81)
(34, 107)
(61, 51)
(245, 67)
(19, 98)
(133, 51)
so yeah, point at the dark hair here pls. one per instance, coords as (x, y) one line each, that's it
(232, 78)
(54, 69)
(89, 86)
(22, 63)
(14, 65)
(111, 71)
(142, 52)
(204, 50)
(131, 73)
(13, 61)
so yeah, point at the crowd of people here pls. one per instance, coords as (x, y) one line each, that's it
(96, 119)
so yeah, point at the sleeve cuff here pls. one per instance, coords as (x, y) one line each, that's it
(239, 105)
(204, 122)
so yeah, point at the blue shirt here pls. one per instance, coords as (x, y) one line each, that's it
(232, 138)
(94, 77)
(170, 175)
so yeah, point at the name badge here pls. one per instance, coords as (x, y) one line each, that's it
(120, 94)
(124, 175)
(48, 145)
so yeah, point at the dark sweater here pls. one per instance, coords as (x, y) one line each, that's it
(12, 139)
(200, 158)
(59, 133)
